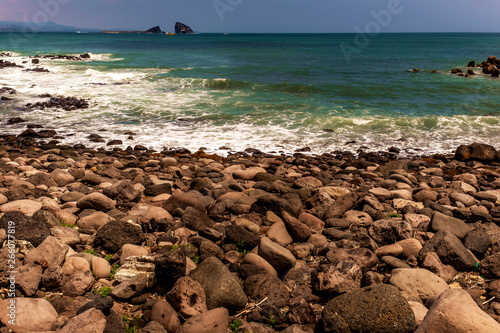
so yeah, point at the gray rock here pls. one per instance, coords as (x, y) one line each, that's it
(221, 286)
(131, 288)
(377, 309)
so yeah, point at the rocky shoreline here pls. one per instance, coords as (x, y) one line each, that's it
(140, 241)
(136, 240)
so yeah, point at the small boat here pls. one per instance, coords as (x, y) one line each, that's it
(169, 34)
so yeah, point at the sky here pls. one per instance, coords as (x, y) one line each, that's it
(277, 16)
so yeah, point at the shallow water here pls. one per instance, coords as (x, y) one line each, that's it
(274, 92)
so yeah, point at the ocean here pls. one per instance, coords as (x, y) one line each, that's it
(275, 92)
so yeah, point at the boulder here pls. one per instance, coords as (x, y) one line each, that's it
(450, 250)
(97, 201)
(260, 286)
(31, 314)
(50, 252)
(212, 321)
(456, 311)
(77, 276)
(91, 320)
(279, 257)
(163, 313)
(341, 205)
(376, 309)
(221, 286)
(122, 190)
(187, 297)
(26, 207)
(418, 281)
(113, 235)
(444, 222)
(26, 228)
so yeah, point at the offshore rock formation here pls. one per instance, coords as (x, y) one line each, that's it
(155, 30)
(181, 28)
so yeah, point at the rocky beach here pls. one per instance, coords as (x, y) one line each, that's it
(112, 240)
(105, 238)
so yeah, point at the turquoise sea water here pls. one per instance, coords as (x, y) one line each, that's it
(274, 92)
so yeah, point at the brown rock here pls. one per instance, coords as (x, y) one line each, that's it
(260, 286)
(31, 314)
(213, 321)
(187, 297)
(96, 201)
(456, 311)
(91, 320)
(165, 314)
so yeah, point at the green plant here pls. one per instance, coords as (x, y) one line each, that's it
(196, 259)
(393, 215)
(240, 246)
(105, 291)
(90, 251)
(113, 271)
(68, 225)
(131, 329)
(234, 325)
(175, 246)
(108, 257)
(272, 322)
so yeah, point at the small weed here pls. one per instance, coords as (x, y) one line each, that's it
(132, 329)
(113, 271)
(393, 215)
(90, 251)
(196, 259)
(234, 325)
(105, 291)
(108, 257)
(240, 247)
(174, 247)
(68, 225)
(272, 322)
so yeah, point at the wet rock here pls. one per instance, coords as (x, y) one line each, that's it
(372, 309)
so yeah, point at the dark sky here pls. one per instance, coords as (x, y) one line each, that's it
(264, 15)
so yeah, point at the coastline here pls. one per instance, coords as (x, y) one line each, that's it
(249, 241)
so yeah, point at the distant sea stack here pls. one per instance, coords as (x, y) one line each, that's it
(181, 28)
(155, 30)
